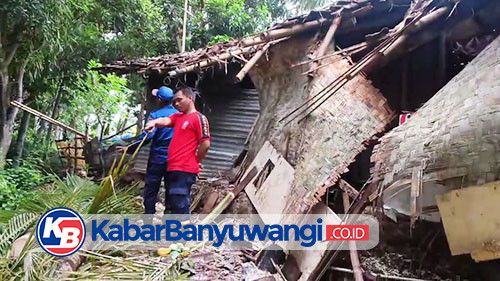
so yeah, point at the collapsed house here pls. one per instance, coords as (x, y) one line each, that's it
(391, 102)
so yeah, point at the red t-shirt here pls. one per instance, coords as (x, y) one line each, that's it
(189, 130)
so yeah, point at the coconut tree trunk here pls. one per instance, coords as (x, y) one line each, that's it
(21, 136)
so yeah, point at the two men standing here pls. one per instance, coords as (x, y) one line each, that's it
(189, 146)
(187, 138)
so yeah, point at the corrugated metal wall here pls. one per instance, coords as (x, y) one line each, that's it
(230, 123)
(231, 120)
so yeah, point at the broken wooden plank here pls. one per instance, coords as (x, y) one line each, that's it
(308, 261)
(471, 220)
(486, 255)
(271, 190)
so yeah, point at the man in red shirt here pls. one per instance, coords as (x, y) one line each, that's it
(189, 146)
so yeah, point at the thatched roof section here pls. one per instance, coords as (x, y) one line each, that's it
(357, 14)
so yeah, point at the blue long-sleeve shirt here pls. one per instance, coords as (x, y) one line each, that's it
(160, 137)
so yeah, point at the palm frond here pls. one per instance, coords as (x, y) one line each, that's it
(115, 174)
(16, 227)
(75, 193)
(125, 201)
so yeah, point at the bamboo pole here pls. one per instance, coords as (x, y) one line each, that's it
(249, 44)
(419, 25)
(45, 117)
(298, 28)
(334, 86)
(249, 64)
(282, 32)
(243, 72)
(347, 51)
(328, 39)
(211, 61)
(356, 267)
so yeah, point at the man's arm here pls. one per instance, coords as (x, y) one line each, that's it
(157, 123)
(203, 150)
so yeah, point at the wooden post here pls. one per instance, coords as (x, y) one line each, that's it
(75, 168)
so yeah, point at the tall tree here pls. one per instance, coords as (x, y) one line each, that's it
(25, 27)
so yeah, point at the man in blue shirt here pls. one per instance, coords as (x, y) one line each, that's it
(160, 137)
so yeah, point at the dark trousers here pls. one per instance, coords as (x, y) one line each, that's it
(154, 175)
(178, 195)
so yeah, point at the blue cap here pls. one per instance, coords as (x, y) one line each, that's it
(164, 94)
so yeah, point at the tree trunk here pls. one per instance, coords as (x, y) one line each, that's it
(8, 49)
(21, 136)
(41, 127)
(4, 106)
(11, 112)
(54, 111)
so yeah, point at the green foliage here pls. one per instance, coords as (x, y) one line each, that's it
(219, 38)
(98, 97)
(25, 177)
(75, 193)
(303, 6)
(10, 195)
(81, 195)
(17, 184)
(225, 19)
(40, 155)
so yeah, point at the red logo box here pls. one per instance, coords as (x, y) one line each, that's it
(347, 232)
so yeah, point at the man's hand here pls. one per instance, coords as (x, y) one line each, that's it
(150, 126)
(203, 150)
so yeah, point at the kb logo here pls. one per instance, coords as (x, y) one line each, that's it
(60, 232)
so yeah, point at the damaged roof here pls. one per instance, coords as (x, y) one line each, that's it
(370, 17)
(353, 13)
